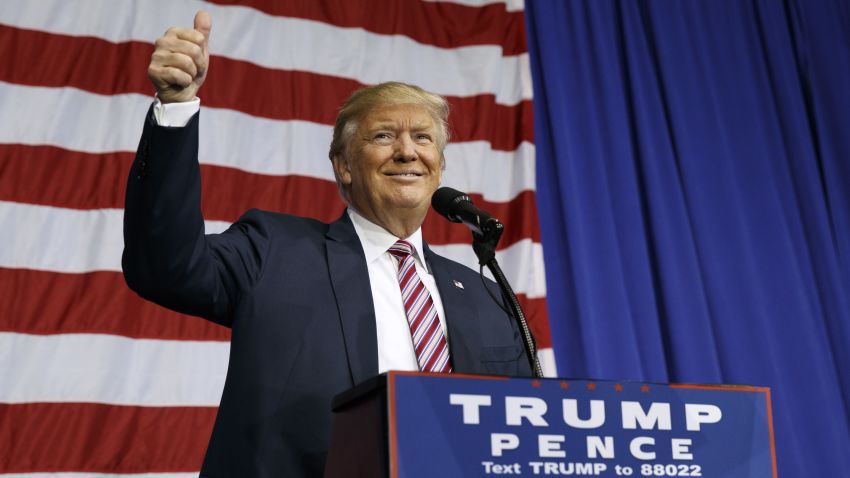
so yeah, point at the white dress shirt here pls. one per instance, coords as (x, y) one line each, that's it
(395, 345)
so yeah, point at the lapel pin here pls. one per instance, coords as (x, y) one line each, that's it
(458, 284)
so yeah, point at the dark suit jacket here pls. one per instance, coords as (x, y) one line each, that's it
(296, 294)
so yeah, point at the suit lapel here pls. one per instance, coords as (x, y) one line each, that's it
(461, 319)
(350, 279)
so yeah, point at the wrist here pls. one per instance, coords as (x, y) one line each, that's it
(176, 114)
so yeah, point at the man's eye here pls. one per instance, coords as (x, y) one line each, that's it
(383, 136)
(423, 138)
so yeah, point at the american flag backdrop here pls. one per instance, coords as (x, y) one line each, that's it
(93, 380)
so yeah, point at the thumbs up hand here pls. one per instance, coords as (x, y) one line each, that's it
(180, 61)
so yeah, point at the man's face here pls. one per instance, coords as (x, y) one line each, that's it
(393, 165)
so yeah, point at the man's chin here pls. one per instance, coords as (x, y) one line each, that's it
(410, 198)
(410, 206)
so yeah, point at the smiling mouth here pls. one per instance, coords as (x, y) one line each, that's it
(411, 175)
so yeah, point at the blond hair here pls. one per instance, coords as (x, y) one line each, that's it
(364, 100)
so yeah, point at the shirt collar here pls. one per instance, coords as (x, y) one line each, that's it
(376, 240)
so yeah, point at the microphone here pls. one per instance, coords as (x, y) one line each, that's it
(457, 207)
(486, 232)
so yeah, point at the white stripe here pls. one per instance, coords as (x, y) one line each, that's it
(99, 475)
(70, 118)
(499, 176)
(521, 262)
(111, 369)
(418, 303)
(510, 5)
(406, 291)
(276, 42)
(423, 362)
(65, 240)
(547, 362)
(425, 324)
(444, 358)
(431, 342)
(233, 139)
(405, 269)
(71, 240)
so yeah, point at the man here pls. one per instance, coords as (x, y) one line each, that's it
(315, 308)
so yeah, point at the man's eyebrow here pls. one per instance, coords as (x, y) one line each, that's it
(382, 125)
(389, 124)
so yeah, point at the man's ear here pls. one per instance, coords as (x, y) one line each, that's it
(342, 171)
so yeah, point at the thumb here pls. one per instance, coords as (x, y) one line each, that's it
(203, 23)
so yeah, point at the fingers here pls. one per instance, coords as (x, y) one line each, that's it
(180, 59)
(188, 34)
(173, 51)
(183, 40)
(169, 76)
(169, 59)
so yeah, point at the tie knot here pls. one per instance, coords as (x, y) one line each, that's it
(401, 249)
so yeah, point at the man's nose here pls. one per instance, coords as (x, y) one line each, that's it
(405, 148)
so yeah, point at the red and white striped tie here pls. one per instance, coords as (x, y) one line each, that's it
(432, 350)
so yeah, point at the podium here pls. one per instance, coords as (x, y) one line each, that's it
(411, 425)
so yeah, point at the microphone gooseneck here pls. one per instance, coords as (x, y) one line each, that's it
(486, 232)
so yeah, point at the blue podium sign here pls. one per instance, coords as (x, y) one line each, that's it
(466, 426)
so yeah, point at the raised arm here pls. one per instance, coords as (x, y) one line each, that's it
(167, 257)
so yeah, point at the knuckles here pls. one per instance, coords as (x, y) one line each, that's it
(166, 44)
(197, 53)
(178, 61)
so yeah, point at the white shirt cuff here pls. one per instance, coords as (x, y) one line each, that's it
(175, 114)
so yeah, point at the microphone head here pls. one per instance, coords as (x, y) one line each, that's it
(445, 201)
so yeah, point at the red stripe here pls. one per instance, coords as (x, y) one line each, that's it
(445, 25)
(53, 176)
(41, 302)
(538, 319)
(53, 60)
(435, 353)
(38, 302)
(97, 438)
(430, 327)
(427, 336)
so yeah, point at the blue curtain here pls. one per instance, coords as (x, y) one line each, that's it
(693, 179)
